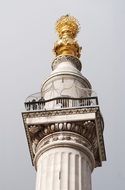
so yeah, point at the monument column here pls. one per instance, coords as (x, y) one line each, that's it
(63, 123)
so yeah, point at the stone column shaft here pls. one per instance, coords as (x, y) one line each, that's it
(63, 169)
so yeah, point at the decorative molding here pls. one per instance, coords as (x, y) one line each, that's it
(64, 58)
(48, 113)
(65, 139)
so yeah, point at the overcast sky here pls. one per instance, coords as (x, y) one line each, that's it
(27, 36)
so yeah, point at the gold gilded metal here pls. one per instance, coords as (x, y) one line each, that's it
(67, 28)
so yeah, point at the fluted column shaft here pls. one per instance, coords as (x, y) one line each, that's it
(63, 169)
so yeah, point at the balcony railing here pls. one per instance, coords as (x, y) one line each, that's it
(60, 103)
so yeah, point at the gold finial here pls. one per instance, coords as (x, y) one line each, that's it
(67, 28)
(67, 25)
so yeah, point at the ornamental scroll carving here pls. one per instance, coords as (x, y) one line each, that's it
(84, 129)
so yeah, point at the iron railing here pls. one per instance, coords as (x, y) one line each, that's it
(60, 103)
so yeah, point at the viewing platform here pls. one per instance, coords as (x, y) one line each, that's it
(36, 102)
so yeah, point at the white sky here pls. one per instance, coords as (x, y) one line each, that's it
(26, 39)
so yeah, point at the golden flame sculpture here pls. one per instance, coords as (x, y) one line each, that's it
(67, 28)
